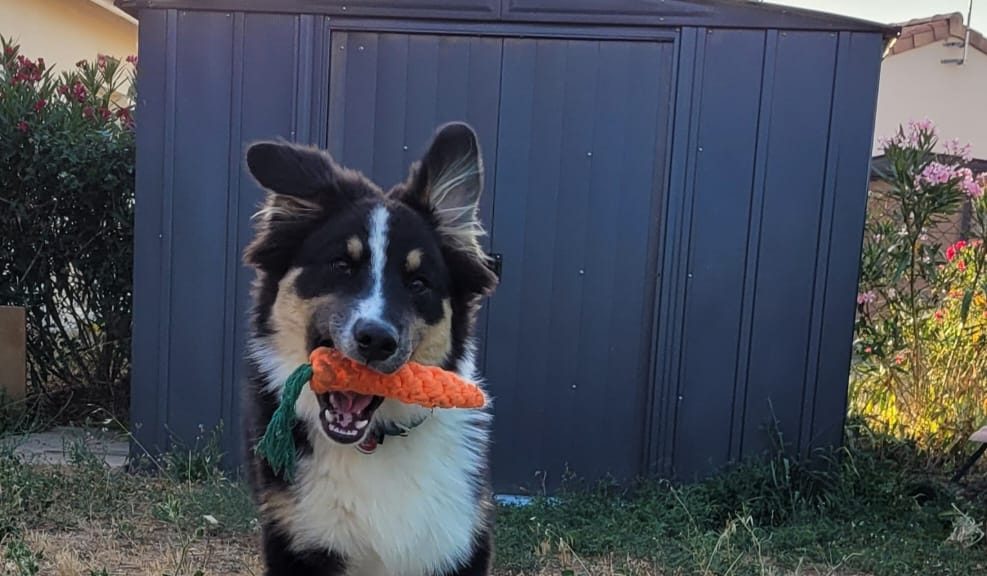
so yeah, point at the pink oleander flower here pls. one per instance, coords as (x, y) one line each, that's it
(936, 173)
(924, 125)
(963, 151)
(866, 297)
(975, 186)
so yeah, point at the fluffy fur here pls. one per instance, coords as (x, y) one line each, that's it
(386, 278)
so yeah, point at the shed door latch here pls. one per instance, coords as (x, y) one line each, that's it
(496, 263)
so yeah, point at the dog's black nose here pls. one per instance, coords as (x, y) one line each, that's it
(377, 341)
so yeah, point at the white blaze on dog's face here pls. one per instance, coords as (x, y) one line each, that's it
(384, 278)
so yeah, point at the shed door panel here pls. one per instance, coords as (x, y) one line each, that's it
(389, 92)
(580, 175)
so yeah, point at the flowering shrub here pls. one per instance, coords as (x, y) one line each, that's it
(67, 192)
(920, 367)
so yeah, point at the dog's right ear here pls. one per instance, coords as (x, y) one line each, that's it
(288, 169)
(303, 184)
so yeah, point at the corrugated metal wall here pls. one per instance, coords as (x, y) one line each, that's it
(679, 213)
(766, 215)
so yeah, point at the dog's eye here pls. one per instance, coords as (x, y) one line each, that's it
(418, 285)
(342, 266)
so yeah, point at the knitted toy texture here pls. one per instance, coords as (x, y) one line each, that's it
(428, 386)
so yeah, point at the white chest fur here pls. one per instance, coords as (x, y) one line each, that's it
(411, 508)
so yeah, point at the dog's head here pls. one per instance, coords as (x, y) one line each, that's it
(385, 278)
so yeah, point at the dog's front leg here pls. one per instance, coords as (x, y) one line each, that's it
(281, 560)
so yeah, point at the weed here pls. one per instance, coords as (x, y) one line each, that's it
(21, 558)
(200, 462)
(19, 416)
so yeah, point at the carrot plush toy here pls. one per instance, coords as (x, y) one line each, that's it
(329, 370)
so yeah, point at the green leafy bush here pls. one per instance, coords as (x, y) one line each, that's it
(921, 334)
(66, 223)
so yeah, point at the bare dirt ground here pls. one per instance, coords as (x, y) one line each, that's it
(88, 552)
(75, 553)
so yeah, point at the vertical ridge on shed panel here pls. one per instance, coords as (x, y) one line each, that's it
(301, 129)
(645, 109)
(483, 111)
(423, 66)
(204, 53)
(230, 380)
(167, 229)
(391, 110)
(517, 97)
(451, 92)
(858, 82)
(483, 105)
(361, 79)
(337, 92)
(718, 230)
(320, 93)
(581, 92)
(684, 110)
(266, 112)
(753, 244)
(544, 157)
(149, 313)
(649, 326)
(794, 182)
(822, 253)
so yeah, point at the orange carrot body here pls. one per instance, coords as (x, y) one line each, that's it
(428, 386)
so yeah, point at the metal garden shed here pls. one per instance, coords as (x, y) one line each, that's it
(676, 189)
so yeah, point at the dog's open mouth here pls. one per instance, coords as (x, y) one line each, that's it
(346, 416)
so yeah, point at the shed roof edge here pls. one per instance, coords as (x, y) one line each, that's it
(674, 13)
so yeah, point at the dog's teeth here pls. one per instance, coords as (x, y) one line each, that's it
(361, 424)
(329, 416)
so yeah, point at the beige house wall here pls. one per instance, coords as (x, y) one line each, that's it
(66, 31)
(916, 85)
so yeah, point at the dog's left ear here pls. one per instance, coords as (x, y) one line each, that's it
(449, 181)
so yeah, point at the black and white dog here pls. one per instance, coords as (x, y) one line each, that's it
(381, 488)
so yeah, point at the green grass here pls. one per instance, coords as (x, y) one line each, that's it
(876, 508)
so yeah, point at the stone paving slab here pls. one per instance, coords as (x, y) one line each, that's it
(55, 446)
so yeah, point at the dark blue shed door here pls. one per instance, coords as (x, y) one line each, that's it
(574, 139)
(580, 182)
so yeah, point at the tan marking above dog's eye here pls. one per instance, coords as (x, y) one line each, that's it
(355, 247)
(414, 260)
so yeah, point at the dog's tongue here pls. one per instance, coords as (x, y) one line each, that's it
(350, 401)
